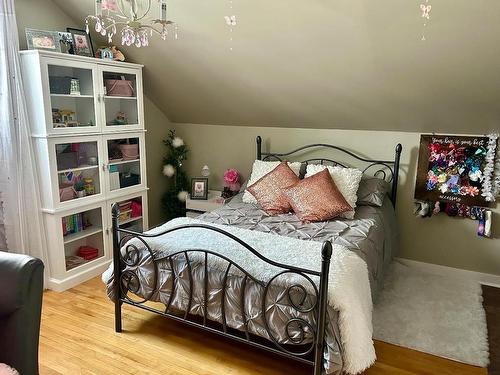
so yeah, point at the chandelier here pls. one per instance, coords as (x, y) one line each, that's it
(130, 16)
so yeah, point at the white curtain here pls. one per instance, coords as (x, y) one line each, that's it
(23, 228)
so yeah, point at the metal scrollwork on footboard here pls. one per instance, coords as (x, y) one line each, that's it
(302, 335)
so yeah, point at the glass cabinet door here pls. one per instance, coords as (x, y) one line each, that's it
(121, 100)
(124, 162)
(78, 172)
(72, 98)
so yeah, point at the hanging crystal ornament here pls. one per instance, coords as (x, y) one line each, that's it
(129, 15)
(426, 15)
(231, 23)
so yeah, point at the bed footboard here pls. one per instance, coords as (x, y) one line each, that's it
(310, 351)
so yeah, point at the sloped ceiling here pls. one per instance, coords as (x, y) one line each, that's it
(354, 64)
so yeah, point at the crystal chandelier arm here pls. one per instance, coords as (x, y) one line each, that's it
(119, 4)
(115, 24)
(145, 13)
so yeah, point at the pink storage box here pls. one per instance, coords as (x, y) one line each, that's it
(66, 193)
(119, 87)
(129, 152)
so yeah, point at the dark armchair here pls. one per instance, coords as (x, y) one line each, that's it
(21, 288)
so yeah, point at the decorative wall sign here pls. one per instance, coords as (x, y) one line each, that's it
(451, 169)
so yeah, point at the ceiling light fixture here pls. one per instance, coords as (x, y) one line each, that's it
(129, 15)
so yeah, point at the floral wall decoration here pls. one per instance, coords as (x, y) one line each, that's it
(457, 169)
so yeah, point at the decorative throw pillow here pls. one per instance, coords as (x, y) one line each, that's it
(372, 191)
(268, 189)
(317, 198)
(261, 168)
(347, 181)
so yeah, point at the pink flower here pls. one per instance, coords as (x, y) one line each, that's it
(231, 176)
(231, 179)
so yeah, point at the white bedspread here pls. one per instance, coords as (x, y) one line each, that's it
(348, 287)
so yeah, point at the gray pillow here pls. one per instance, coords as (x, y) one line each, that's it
(372, 191)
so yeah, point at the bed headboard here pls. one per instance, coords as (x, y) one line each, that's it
(387, 170)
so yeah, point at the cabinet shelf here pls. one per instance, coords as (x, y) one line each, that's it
(77, 169)
(81, 263)
(82, 234)
(124, 161)
(120, 97)
(130, 220)
(70, 96)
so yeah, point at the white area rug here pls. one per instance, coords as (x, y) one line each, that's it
(435, 314)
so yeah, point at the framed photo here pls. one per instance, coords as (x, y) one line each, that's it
(66, 42)
(42, 39)
(82, 44)
(199, 188)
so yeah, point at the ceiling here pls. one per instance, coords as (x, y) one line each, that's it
(346, 64)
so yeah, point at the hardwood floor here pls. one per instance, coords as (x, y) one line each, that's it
(77, 337)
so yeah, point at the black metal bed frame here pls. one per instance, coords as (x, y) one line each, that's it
(388, 169)
(126, 258)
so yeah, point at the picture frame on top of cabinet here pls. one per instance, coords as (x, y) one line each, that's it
(82, 43)
(66, 42)
(43, 40)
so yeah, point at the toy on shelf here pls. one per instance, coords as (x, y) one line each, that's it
(89, 186)
(80, 189)
(120, 119)
(110, 53)
(68, 118)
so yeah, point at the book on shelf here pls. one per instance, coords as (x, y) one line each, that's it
(75, 223)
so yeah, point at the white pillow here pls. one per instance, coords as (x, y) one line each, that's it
(346, 179)
(260, 169)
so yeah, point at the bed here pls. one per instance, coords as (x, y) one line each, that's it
(303, 291)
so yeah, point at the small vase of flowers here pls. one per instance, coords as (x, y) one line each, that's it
(231, 183)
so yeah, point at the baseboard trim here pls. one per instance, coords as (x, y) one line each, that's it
(482, 278)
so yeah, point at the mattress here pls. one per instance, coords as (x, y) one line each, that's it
(371, 234)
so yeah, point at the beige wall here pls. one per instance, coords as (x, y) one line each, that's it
(342, 64)
(367, 70)
(40, 14)
(157, 126)
(441, 240)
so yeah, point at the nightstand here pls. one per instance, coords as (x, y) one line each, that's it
(195, 207)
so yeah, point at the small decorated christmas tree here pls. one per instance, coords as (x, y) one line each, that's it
(174, 199)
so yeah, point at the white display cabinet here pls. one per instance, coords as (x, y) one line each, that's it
(87, 125)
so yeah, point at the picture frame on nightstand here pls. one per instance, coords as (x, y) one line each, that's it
(199, 188)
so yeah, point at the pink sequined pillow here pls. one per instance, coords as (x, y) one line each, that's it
(316, 198)
(268, 189)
